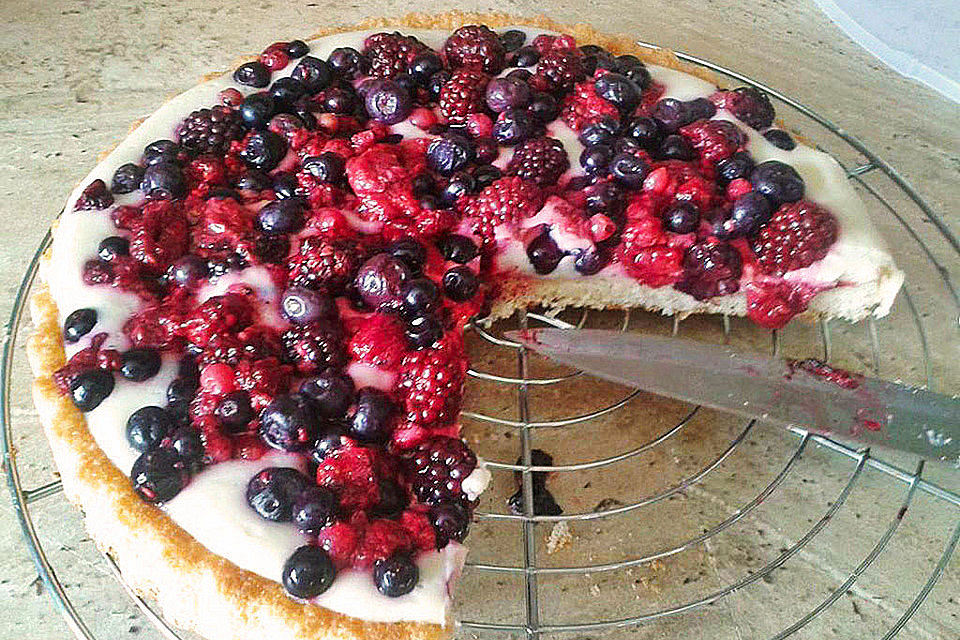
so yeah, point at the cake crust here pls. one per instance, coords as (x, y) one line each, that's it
(194, 588)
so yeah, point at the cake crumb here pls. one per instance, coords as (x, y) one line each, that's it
(559, 538)
(595, 589)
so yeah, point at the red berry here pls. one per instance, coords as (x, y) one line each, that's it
(324, 264)
(339, 540)
(560, 69)
(161, 235)
(750, 105)
(381, 539)
(541, 160)
(475, 46)
(601, 227)
(390, 54)
(583, 107)
(463, 94)
(773, 304)
(715, 140)
(354, 473)
(217, 379)
(799, 234)
(505, 201)
(379, 342)
(738, 187)
(431, 384)
(229, 313)
(274, 58)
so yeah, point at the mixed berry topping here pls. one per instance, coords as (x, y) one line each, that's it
(308, 251)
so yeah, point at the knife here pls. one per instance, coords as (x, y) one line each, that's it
(808, 394)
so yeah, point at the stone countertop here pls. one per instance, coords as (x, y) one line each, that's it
(76, 73)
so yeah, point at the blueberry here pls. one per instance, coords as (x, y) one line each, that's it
(328, 442)
(314, 509)
(264, 150)
(289, 423)
(526, 57)
(512, 39)
(253, 180)
(419, 295)
(645, 131)
(606, 197)
(78, 324)
(164, 180)
(147, 427)
(159, 475)
(638, 73)
(163, 151)
(91, 387)
(285, 185)
(460, 184)
(485, 175)
(252, 74)
(126, 178)
(308, 572)
(596, 158)
(544, 254)
(514, 126)
(460, 284)
(396, 576)
(188, 445)
(671, 114)
(629, 170)
(619, 90)
(272, 492)
(302, 306)
(457, 248)
(448, 154)
(282, 216)
(296, 48)
(380, 279)
(326, 167)
(371, 421)
(406, 82)
(257, 109)
(450, 522)
(507, 93)
(603, 131)
(393, 500)
(749, 212)
(436, 83)
(388, 103)
(739, 165)
(423, 331)
(180, 392)
(519, 74)
(346, 62)
(337, 100)
(411, 252)
(590, 261)
(331, 392)
(777, 181)
(676, 147)
(780, 139)
(234, 411)
(313, 73)
(700, 109)
(424, 65)
(285, 92)
(188, 271)
(140, 364)
(544, 107)
(681, 217)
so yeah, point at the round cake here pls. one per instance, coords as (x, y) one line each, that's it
(249, 357)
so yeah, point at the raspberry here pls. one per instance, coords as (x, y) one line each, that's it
(418, 527)
(799, 234)
(541, 160)
(380, 168)
(716, 140)
(463, 94)
(156, 326)
(750, 105)
(262, 379)
(381, 539)
(224, 224)
(505, 201)
(583, 107)
(339, 540)
(560, 70)
(710, 268)
(390, 54)
(161, 235)
(655, 266)
(79, 362)
(379, 342)
(772, 304)
(210, 130)
(95, 196)
(323, 264)
(221, 347)
(354, 473)
(229, 313)
(314, 347)
(475, 46)
(437, 466)
(430, 384)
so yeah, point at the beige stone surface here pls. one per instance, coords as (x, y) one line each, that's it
(76, 73)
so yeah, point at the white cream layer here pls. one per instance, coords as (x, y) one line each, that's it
(212, 508)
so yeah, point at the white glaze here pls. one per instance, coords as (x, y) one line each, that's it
(212, 507)
(478, 480)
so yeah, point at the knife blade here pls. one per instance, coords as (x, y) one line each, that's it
(808, 394)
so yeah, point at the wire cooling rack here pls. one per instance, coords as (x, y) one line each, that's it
(708, 527)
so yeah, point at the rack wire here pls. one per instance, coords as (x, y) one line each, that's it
(923, 317)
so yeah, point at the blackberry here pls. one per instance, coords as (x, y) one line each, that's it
(314, 347)
(210, 130)
(710, 269)
(464, 93)
(437, 466)
(561, 69)
(390, 54)
(475, 46)
(541, 160)
(798, 234)
(324, 264)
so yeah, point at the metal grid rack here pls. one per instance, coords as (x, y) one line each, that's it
(929, 316)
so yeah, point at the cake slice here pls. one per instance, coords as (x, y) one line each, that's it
(249, 357)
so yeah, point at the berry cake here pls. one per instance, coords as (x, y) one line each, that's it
(249, 353)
